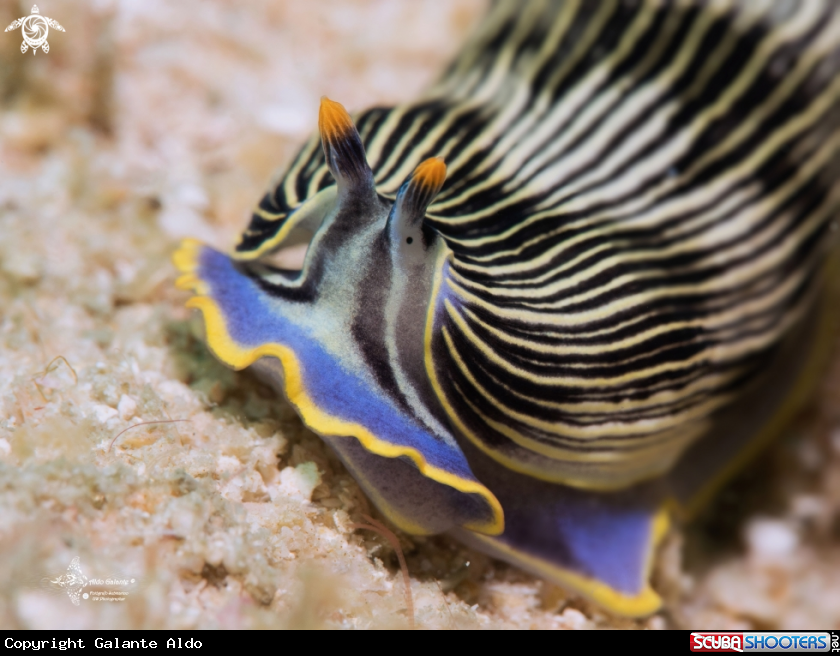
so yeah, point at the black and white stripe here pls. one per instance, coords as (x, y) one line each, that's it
(639, 203)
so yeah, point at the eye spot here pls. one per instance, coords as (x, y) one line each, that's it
(409, 240)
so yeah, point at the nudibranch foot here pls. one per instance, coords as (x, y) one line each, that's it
(599, 544)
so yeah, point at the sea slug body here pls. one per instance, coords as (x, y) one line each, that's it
(563, 295)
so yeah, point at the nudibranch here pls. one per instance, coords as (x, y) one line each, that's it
(559, 298)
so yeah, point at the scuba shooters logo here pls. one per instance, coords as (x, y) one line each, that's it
(755, 641)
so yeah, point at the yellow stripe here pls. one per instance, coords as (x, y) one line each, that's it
(298, 216)
(228, 351)
(507, 462)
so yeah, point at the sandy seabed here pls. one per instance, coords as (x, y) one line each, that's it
(151, 121)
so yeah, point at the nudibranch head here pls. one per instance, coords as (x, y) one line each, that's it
(343, 337)
(591, 313)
